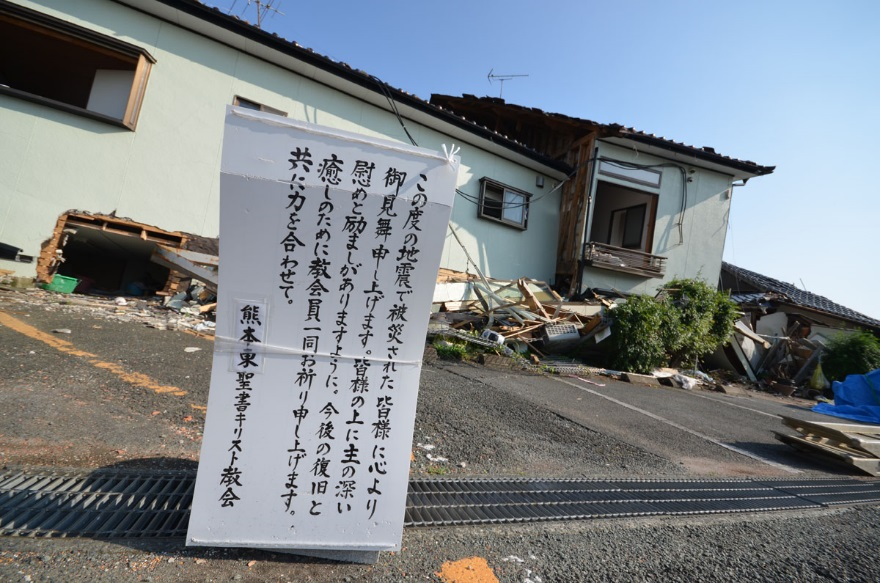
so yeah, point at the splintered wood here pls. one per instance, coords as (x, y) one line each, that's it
(855, 444)
(524, 310)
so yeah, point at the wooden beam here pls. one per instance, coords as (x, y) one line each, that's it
(751, 335)
(741, 356)
(858, 436)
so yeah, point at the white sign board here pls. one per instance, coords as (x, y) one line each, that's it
(330, 245)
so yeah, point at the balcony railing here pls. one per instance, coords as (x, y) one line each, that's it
(627, 260)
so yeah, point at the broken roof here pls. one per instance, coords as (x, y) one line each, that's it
(468, 104)
(749, 281)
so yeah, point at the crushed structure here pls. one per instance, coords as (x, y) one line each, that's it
(784, 330)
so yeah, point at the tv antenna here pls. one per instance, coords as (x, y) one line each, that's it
(263, 8)
(501, 79)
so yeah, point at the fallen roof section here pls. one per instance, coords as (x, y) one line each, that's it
(743, 285)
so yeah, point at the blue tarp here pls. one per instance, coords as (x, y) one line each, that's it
(856, 398)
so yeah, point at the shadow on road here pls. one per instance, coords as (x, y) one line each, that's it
(143, 504)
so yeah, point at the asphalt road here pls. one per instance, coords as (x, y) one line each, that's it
(113, 393)
(711, 434)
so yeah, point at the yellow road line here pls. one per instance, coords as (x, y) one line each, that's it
(133, 378)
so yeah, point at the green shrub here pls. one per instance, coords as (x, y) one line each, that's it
(687, 321)
(638, 338)
(703, 319)
(847, 354)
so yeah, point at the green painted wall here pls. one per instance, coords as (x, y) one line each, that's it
(698, 254)
(166, 172)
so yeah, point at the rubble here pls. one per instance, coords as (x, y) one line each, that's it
(523, 314)
(515, 317)
(781, 338)
(148, 311)
(780, 357)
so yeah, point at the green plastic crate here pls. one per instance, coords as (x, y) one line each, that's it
(63, 284)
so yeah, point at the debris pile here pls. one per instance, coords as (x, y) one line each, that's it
(779, 352)
(854, 444)
(523, 315)
(149, 311)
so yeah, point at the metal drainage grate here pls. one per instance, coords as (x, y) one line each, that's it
(132, 504)
(831, 492)
(445, 502)
(102, 504)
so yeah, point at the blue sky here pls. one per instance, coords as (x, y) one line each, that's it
(784, 83)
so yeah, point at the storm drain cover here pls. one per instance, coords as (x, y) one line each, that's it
(150, 504)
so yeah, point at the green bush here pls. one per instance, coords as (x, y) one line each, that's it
(639, 331)
(847, 354)
(703, 319)
(688, 320)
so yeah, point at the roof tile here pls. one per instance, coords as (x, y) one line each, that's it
(796, 296)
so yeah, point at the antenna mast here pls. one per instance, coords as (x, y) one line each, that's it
(501, 79)
(263, 7)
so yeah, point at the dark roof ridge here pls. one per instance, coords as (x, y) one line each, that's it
(798, 296)
(706, 153)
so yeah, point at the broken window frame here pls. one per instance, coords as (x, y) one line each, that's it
(246, 103)
(44, 28)
(501, 203)
(52, 257)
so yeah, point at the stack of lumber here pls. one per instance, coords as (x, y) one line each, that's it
(855, 444)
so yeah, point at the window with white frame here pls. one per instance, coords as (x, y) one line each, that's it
(55, 63)
(504, 204)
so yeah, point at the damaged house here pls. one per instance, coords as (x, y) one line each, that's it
(639, 210)
(111, 120)
(784, 329)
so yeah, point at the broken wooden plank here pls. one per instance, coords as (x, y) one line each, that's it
(808, 367)
(863, 437)
(533, 349)
(770, 358)
(533, 302)
(607, 303)
(743, 330)
(170, 258)
(522, 331)
(743, 360)
(869, 465)
(590, 324)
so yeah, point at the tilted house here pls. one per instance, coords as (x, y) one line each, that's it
(638, 211)
(111, 121)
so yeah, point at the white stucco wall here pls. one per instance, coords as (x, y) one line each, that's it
(697, 251)
(165, 173)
